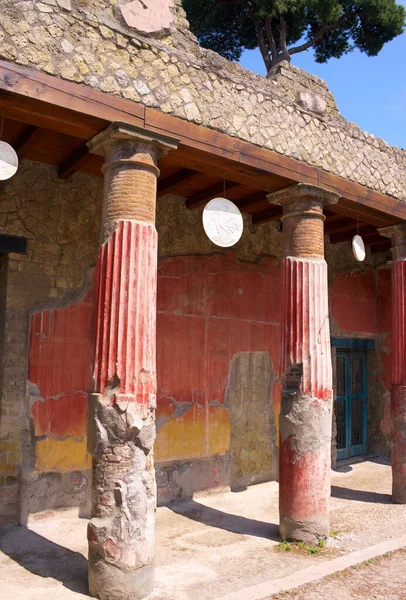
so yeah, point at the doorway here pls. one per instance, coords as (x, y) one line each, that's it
(351, 403)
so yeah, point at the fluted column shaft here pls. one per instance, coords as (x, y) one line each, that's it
(306, 403)
(398, 391)
(121, 428)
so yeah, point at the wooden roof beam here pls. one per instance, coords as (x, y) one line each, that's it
(363, 214)
(27, 141)
(46, 101)
(339, 225)
(251, 200)
(209, 193)
(343, 236)
(383, 246)
(271, 214)
(373, 238)
(170, 184)
(74, 162)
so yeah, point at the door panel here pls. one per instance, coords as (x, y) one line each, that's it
(350, 404)
(341, 406)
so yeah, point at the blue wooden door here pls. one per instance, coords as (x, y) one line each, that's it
(351, 404)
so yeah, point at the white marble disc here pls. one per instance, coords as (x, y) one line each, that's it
(358, 248)
(8, 161)
(222, 222)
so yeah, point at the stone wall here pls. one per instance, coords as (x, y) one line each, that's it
(222, 307)
(61, 222)
(251, 399)
(93, 43)
(218, 338)
(41, 442)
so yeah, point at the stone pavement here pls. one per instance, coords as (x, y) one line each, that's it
(383, 578)
(213, 546)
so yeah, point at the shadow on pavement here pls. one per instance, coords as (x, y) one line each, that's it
(223, 520)
(360, 495)
(45, 558)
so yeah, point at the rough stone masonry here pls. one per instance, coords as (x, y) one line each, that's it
(158, 63)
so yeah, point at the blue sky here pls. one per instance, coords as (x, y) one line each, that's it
(369, 91)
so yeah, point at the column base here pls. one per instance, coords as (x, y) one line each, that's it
(107, 582)
(398, 409)
(305, 531)
(304, 467)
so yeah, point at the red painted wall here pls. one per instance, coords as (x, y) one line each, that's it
(59, 367)
(384, 311)
(361, 304)
(209, 308)
(353, 302)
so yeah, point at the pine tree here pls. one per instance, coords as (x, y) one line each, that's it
(282, 28)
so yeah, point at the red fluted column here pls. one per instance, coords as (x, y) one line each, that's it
(306, 404)
(398, 392)
(121, 427)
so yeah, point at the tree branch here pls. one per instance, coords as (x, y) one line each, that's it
(271, 39)
(261, 41)
(319, 36)
(284, 48)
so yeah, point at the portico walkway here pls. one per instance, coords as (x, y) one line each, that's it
(208, 547)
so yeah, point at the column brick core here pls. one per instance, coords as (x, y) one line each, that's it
(130, 172)
(303, 219)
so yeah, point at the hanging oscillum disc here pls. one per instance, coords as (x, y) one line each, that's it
(8, 161)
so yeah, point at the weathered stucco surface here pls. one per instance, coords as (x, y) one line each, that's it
(214, 309)
(250, 398)
(293, 113)
(61, 223)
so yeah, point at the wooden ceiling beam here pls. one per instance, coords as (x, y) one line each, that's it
(339, 225)
(381, 247)
(271, 214)
(251, 200)
(47, 116)
(343, 236)
(373, 238)
(332, 217)
(49, 102)
(364, 215)
(223, 168)
(74, 162)
(170, 184)
(27, 141)
(209, 193)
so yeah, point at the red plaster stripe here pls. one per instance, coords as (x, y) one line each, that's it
(399, 322)
(126, 309)
(306, 333)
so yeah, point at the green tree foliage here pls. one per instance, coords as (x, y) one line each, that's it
(281, 28)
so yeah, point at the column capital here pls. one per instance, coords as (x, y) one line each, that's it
(119, 132)
(303, 228)
(303, 198)
(397, 233)
(130, 172)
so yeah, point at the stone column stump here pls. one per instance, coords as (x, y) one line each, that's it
(306, 403)
(121, 428)
(398, 391)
